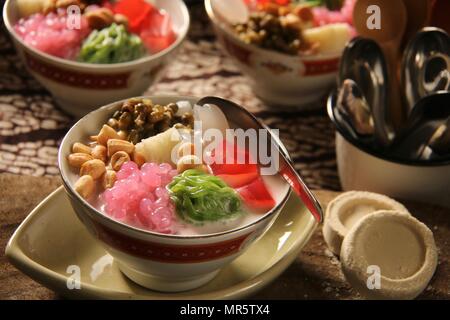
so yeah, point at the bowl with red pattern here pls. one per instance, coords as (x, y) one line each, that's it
(80, 87)
(297, 79)
(158, 257)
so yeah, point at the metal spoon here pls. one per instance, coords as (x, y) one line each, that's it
(438, 145)
(415, 143)
(389, 37)
(352, 105)
(431, 107)
(285, 166)
(363, 62)
(440, 82)
(440, 140)
(425, 65)
(428, 114)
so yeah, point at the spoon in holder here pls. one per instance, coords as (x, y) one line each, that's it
(425, 65)
(389, 36)
(363, 62)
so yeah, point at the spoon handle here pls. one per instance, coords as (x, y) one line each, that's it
(288, 172)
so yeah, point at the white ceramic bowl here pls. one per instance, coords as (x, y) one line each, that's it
(281, 80)
(82, 87)
(362, 168)
(157, 261)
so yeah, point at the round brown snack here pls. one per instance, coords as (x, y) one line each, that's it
(389, 255)
(347, 209)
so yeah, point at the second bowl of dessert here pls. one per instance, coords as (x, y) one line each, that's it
(86, 57)
(289, 53)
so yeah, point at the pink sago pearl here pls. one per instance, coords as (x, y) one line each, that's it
(151, 179)
(146, 207)
(161, 218)
(139, 197)
(164, 168)
(50, 33)
(323, 16)
(127, 170)
(162, 193)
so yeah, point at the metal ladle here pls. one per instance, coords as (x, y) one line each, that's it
(285, 165)
(426, 117)
(425, 65)
(440, 140)
(354, 109)
(438, 145)
(389, 37)
(363, 62)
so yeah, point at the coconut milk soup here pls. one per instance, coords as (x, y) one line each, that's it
(139, 169)
(278, 189)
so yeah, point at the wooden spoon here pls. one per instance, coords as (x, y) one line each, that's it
(439, 14)
(393, 24)
(418, 12)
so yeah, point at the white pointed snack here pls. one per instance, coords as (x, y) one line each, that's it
(347, 209)
(331, 38)
(231, 11)
(160, 148)
(211, 117)
(389, 255)
(183, 107)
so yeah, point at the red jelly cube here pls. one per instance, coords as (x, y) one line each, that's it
(156, 44)
(282, 2)
(239, 180)
(265, 2)
(256, 196)
(137, 11)
(157, 31)
(228, 158)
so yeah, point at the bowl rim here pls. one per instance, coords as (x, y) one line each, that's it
(72, 193)
(121, 65)
(362, 147)
(315, 57)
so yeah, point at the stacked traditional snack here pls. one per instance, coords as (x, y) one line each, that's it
(385, 252)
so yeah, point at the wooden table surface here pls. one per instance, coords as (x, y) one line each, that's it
(315, 274)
